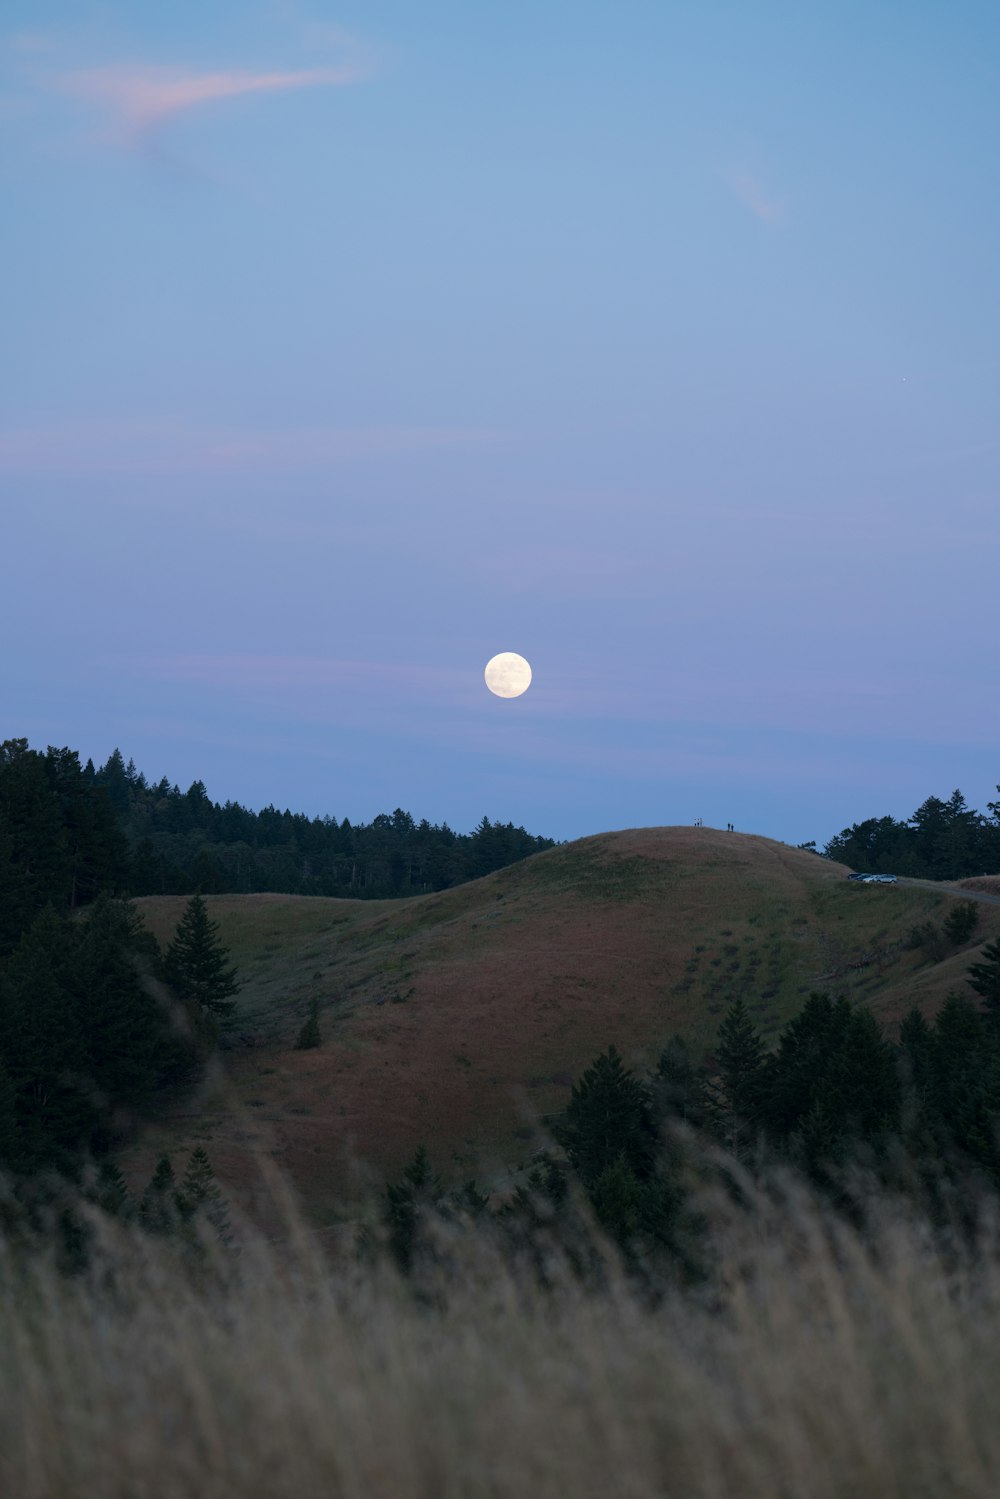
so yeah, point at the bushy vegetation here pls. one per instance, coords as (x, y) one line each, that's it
(943, 840)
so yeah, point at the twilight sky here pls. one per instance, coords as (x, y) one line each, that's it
(346, 345)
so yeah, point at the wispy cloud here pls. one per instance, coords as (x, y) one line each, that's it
(139, 99)
(762, 203)
(162, 448)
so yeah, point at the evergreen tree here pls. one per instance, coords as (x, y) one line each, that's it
(160, 1209)
(609, 1120)
(96, 848)
(40, 1040)
(858, 1089)
(617, 1199)
(984, 977)
(403, 1204)
(961, 921)
(679, 1088)
(964, 1097)
(199, 1196)
(309, 1036)
(8, 1119)
(33, 846)
(793, 1070)
(197, 965)
(916, 1056)
(123, 1027)
(740, 1076)
(111, 1193)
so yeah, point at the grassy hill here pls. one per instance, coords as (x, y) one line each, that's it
(458, 1020)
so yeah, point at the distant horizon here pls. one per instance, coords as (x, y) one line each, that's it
(420, 813)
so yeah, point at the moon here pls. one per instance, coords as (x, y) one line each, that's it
(508, 675)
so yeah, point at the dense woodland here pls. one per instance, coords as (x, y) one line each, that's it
(181, 841)
(943, 840)
(69, 831)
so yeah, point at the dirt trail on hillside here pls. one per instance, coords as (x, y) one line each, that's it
(957, 891)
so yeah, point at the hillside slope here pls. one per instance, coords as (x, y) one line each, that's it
(459, 1019)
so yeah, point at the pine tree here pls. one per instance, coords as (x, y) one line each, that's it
(159, 1211)
(961, 921)
(8, 1119)
(738, 1084)
(402, 1205)
(985, 979)
(793, 1070)
(679, 1087)
(33, 845)
(196, 964)
(40, 1040)
(916, 1056)
(121, 1021)
(964, 1099)
(199, 1195)
(309, 1036)
(111, 1192)
(610, 1116)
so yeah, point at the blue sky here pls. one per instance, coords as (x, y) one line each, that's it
(345, 347)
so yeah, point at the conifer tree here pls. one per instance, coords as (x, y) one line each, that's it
(402, 1203)
(985, 979)
(8, 1119)
(916, 1055)
(199, 1195)
(33, 841)
(961, 921)
(197, 965)
(610, 1116)
(738, 1084)
(159, 1210)
(122, 1023)
(40, 1040)
(679, 1087)
(111, 1192)
(964, 1100)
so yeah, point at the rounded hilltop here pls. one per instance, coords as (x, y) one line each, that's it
(455, 1019)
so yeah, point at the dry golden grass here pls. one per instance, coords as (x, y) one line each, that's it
(817, 1365)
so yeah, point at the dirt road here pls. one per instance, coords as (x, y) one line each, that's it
(987, 900)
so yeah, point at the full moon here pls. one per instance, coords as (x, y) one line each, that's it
(508, 675)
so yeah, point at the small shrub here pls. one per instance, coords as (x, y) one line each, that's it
(961, 922)
(309, 1036)
(930, 939)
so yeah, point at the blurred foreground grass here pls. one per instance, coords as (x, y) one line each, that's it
(815, 1362)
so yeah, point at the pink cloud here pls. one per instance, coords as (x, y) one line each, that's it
(141, 98)
(762, 204)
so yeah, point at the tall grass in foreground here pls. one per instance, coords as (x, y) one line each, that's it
(816, 1363)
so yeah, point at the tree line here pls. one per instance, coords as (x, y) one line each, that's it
(181, 841)
(942, 840)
